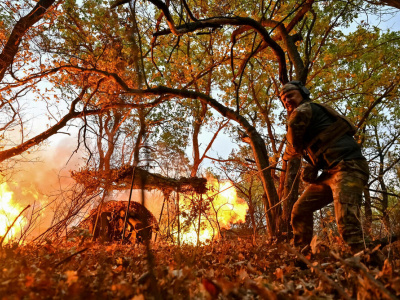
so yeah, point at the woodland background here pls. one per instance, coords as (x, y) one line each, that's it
(155, 84)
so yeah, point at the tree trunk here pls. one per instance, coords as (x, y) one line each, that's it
(271, 196)
(368, 212)
(385, 198)
(385, 203)
(290, 193)
(282, 178)
(198, 122)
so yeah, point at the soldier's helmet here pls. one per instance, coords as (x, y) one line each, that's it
(296, 85)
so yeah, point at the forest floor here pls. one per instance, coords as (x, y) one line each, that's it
(230, 269)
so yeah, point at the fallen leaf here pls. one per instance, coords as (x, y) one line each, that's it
(29, 281)
(279, 274)
(71, 277)
(211, 288)
(243, 274)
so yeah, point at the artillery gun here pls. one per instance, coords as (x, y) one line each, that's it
(140, 222)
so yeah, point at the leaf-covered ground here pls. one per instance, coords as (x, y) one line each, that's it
(234, 269)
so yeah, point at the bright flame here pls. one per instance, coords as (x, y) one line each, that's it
(224, 210)
(8, 212)
(232, 209)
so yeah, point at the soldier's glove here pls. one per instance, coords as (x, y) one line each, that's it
(309, 174)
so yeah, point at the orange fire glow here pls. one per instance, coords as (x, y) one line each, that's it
(225, 210)
(232, 210)
(9, 210)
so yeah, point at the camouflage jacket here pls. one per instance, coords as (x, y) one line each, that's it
(306, 122)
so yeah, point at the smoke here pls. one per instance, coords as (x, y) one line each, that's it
(39, 179)
(45, 175)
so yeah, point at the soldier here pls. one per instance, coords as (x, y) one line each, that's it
(325, 139)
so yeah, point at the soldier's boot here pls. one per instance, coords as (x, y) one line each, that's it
(302, 245)
(358, 247)
(383, 242)
(372, 254)
(301, 240)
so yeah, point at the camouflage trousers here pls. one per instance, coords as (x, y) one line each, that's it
(342, 184)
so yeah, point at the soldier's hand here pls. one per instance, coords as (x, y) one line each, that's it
(309, 174)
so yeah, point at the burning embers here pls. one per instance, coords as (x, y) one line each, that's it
(9, 211)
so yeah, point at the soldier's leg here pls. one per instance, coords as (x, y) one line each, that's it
(315, 197)
(347, 184)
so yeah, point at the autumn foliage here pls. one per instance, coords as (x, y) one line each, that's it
(228, 269)
(139, 85)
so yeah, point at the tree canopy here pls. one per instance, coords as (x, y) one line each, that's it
(143, 80)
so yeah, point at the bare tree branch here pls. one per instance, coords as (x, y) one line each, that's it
(21, 27)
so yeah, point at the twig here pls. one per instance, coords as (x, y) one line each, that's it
(9, 227)
(319, 272)
(129, 202)
(357, 266)
(105, 194)
(69, 257)
(386, 193)
(166, 197)
(146, 235)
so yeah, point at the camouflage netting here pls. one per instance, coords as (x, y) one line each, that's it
(121, 179)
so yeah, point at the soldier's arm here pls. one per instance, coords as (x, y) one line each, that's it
(297, 125)
(290, 152)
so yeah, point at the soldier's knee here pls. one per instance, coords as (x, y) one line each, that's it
(299, 212)
(296, 210)
(294, 217)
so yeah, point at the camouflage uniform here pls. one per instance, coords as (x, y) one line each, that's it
(345, 172)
